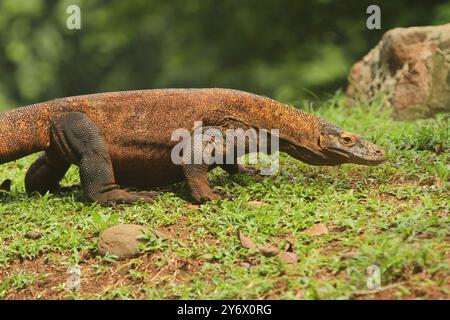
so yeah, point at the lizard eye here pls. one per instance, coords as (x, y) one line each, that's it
(347, 139)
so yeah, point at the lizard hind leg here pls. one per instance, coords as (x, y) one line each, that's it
(44, 175)
(78, 140)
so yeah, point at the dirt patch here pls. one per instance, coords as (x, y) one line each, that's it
(97, 274)
(52, 283)
(411, 289)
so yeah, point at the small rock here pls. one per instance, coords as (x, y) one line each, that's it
(410, 66)
(33, 235)
(121, 240)
(438, 148)
(245, 265)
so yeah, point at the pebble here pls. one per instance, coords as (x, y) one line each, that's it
(122, 240)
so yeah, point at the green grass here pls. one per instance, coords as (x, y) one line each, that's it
(394, 216)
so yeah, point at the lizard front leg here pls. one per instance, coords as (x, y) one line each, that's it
(78, 140)
(197, 180)
(196, 174)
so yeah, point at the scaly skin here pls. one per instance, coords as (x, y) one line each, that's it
(127, 137)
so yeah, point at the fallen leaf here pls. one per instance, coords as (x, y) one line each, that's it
(246, 241)
(193, 206)
(317, 230)
(256, 203)
(289, 257)
(245, 265)
(288, 247)
(268, 251)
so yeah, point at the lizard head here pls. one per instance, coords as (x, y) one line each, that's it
(326, 144)
(340, 146)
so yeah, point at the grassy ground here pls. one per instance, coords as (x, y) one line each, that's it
(394, 216)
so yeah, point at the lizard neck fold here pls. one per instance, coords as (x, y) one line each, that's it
(298, 131)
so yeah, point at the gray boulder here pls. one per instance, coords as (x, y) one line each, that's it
(411, 67)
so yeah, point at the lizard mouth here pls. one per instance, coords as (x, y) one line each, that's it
(369, 162)
(368, 158)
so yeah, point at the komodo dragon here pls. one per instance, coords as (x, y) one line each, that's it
(124, 139)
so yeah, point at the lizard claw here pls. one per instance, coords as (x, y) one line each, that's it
(250, 170)
(204, 199)
(147, 194)
(225, 195)
(214, 195)
(119, 196)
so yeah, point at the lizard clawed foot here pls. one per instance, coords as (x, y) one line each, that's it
(119, 196)
(250, 170)
(224, 195)
(211, 195)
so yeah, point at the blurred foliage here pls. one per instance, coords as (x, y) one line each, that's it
(285, 49)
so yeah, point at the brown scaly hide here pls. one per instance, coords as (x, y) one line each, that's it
(137, 125)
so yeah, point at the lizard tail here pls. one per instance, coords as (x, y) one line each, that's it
(23, 131)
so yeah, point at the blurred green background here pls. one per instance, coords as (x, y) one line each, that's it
(286, 49)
